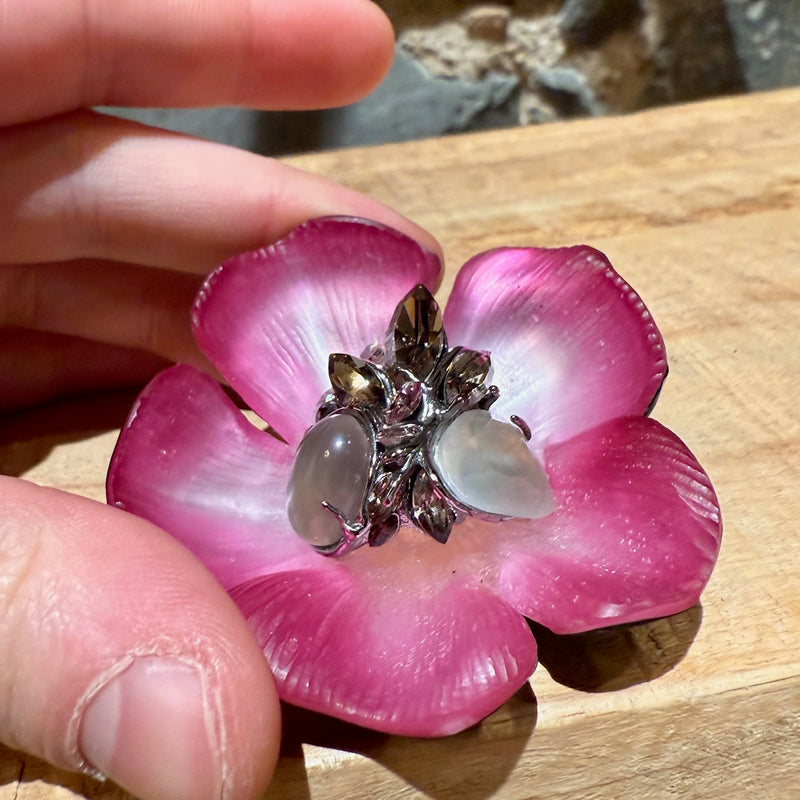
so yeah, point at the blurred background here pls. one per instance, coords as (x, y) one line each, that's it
(463, 65)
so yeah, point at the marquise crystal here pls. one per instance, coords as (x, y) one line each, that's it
(405, 436)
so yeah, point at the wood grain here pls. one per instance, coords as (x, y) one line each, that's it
(699, 208)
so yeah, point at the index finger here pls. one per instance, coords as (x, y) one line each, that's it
(253, 53)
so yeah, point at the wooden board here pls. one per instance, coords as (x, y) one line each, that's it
(699, 208)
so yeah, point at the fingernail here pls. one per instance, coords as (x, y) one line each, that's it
(151, 730)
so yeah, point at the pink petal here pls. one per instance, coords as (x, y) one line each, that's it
(635, 535)
(189, 461)
(269, 319)
(416, 660)
(572, 344)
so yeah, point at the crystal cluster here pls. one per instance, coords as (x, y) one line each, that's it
(404, 436)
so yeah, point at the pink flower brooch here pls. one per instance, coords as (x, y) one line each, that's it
(497, 460)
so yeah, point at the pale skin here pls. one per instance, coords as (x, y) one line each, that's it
(107, 228)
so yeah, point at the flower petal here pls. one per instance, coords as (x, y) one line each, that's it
(635, 535)
(269, 319)
(189, 461)
(572, 345)
(409, 660)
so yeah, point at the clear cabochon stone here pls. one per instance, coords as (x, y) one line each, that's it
(332, 464)
(486, 465)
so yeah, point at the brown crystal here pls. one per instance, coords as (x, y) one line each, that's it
(466, 371)
(355, 381)
(382, 531)
(416, 336)
(429, 510)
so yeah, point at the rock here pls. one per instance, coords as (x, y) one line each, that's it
(475, 65)
(766, 37)
(239, 127)
(488, 22)
(568, 91)
(409, 104)
(587, 22)
(692, 51)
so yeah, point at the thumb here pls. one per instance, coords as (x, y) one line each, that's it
(123, 656)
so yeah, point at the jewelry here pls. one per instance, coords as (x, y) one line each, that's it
(404, 435)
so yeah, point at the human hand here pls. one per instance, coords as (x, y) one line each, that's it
(121, 652)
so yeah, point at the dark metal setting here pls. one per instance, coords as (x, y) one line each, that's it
(402, 392)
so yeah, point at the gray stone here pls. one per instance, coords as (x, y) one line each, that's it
(766, 35)
(409, 104)
(234, 126)
(568, 90)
